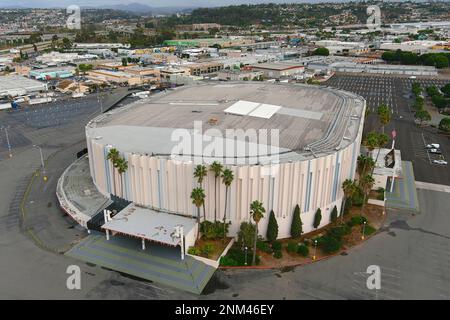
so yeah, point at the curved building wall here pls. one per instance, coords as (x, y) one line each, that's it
(167, 184)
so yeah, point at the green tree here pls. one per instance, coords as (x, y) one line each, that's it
(257, 212)
(227, 179)
(317, 218)
(384, 116)
(200, 172)
(272, 227)
(334, 214)
(422, 115)
(322, 51)
(198, 199)
(246, 234)
(444, 125)
(296, 226)
(124, 62)
(349, 188)
(366, 183)
(216, 168)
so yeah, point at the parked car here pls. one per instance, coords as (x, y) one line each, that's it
(441, 162)
(433, 146)
(435, 151)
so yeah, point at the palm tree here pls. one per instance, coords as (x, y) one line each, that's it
(216, 167)
(198, 198)
(257, 212)
(200, 173)
(121, 166)
(227, 179)
(112, 156)
(367, 183)
(365, 165)
(384, 116)
(348, 186)
(371, 141)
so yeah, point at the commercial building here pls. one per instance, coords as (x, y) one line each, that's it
(52, 73)
(278, 70)
(238, 75)
(299, 144)
(384, 69)
(202, 68)
(15, 85)
(117, 77)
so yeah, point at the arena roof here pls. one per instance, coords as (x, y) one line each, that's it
(313, 118)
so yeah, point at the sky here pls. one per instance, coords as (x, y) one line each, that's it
(152, 3)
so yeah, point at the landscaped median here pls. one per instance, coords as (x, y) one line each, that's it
(337, 237)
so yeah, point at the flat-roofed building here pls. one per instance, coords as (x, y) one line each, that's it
(202, 68)
(276, 70)
(16, 85)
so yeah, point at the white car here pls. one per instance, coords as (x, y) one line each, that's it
(435, 151)
(433, 146)
(441, 162)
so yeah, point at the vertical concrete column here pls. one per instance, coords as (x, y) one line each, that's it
(143, 244)
(107, 234)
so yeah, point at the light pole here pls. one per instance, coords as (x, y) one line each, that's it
(7, 141)
(246, 248)
(364, 228)
(42, 162)
(315, 248)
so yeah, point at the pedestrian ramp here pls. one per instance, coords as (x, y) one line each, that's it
(404, 193)
(161, 264)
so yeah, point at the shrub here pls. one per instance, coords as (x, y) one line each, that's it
(357, 220)
(444, 125)
(330, 244)
(246, 235)
(303, 250)
(228, 261)
(276, 245)
(213, 230)
(306, 242)
(272, 228)
(292, 246)
(368, 230)
(348, 205)
(263, 246)
(278, 254)
(207, 249)
(238, 255)
(333, 214)
(339, 232)
(194, 251)
(358, 197)
(296, 226)
(317, 218)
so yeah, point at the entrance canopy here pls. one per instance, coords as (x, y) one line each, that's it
(149, 224)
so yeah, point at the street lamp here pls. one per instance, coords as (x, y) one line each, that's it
(42, 162)
(315, 248)
(246, 248)
(364, 228)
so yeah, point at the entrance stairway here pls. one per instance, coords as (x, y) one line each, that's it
(161, 264)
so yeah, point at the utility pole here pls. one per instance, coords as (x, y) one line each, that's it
(42, 162)
(7, 141)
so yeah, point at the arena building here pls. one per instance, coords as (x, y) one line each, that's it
(307, 143)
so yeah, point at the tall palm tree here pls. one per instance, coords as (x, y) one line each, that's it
(384, 116)
(227, 179)
(257, 212)
(217, 168)
(112, 156)
(371, 141)
(367, 183)
(121, 166)
(364, 165)
(198, 198)
(348, 186)
(200, 172)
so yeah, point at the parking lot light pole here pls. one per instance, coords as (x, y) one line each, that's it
(8, 143)
(246, 248)
(364, 228)
(315, 248)
(42, 162)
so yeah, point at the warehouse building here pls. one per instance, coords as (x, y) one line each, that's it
(279, 70)
(16, 85)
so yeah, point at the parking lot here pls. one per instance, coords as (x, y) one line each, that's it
(395, 91)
